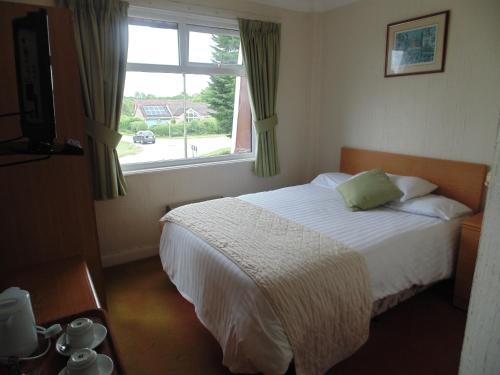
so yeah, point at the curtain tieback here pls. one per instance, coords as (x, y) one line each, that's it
(266, 124)
(102, 133)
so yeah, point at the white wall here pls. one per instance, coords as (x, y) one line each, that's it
(448, 115)
(128, 226)
(481, 348)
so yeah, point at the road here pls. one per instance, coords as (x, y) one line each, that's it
(173, 148)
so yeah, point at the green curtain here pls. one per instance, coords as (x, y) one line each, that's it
(260, 43)
(101, 32)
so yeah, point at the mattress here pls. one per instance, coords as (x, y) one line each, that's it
(402, 251)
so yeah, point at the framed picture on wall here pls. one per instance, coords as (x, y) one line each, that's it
(417, 45)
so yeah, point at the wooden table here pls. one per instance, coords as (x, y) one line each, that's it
(57, 289)
(60, 292)
(53, 362)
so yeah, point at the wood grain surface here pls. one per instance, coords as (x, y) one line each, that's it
(57, 289)
(47, 209)
(466, 263)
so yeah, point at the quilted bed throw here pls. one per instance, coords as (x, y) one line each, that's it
(318, 288)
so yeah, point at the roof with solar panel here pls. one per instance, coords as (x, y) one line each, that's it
(168, 108)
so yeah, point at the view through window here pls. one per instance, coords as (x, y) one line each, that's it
(185, 95)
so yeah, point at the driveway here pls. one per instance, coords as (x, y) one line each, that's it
(173, 148)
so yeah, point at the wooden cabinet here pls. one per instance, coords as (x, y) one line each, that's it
(47, 208)
(469, 244)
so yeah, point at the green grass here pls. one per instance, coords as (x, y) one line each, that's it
(126, 132)
(219, 152)
(127, 148)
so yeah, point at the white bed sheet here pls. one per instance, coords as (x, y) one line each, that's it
(401, 250)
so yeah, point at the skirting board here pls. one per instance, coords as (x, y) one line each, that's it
(126, 256)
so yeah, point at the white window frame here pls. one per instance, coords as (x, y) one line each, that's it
(186, 23)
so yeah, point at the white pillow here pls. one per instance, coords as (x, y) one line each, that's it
(412, 187)
(330, 180)
(432, 205)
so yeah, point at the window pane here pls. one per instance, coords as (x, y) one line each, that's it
(214, 48)
(209, 114)
(152, 85)
(153, 45)
(147, 105)
(161, 122)
(218, 121)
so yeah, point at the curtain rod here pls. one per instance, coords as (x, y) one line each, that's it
(201, 10)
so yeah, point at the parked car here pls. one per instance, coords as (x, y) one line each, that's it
(144, 136)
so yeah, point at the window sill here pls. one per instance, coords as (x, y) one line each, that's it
(157, 167)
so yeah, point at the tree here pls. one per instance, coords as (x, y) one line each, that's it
(129, 124)
(128, 106)
(219, 95)
(226, 49)
(141, 95)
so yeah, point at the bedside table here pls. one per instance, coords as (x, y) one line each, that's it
(469, 244)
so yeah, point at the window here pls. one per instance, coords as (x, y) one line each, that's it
(146, 38)
(204, 44)
(185, 84)
(191, 115)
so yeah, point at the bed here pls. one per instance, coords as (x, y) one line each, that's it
(404, 253)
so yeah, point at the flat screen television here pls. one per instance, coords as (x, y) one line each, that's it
(34, 77)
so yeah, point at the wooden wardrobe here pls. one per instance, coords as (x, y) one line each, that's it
(47, 208)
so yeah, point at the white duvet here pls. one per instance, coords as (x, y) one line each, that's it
(401, 250)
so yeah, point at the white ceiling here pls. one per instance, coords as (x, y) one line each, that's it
(306, 5)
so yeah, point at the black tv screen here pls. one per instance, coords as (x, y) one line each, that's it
(34, 77)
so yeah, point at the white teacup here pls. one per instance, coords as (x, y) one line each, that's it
(82, 362)
(80, 333)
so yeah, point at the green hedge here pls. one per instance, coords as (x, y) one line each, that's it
(132, 125)
(195, 127)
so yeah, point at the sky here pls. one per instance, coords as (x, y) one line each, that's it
(160, 46)
(163, 84)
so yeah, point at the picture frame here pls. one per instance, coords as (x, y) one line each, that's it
(417, 45)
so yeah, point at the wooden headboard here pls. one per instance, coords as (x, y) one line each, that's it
(457, 180)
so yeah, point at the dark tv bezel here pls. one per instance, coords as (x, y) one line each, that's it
(43, 131)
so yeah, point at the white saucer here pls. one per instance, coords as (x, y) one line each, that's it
(104, 365)
(100, 333)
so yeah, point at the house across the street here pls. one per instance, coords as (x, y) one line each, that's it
(162, 111)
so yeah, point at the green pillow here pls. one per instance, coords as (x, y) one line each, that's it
(368, 190)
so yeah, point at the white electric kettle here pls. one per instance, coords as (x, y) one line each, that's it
(18, 335)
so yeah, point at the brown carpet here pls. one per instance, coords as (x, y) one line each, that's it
(158, 332)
